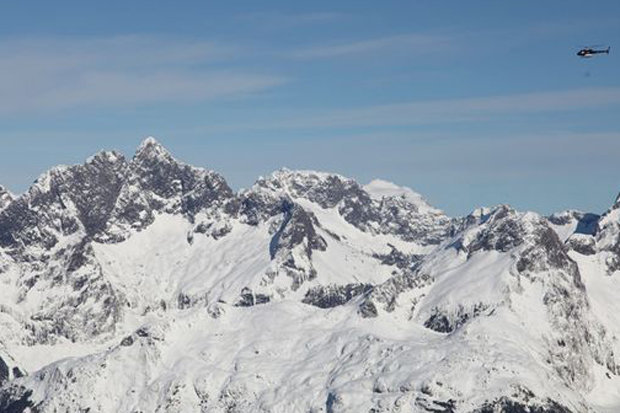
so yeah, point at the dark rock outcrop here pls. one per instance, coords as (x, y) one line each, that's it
(507, 405)
(248, 298)
(330, 296)
(444, 322)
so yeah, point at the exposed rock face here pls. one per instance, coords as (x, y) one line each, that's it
(147, 284)
(64, 201)
(15, 400)
(581, 243)
(8, 368)
(4, 372)
(528, 404)
(334, 295)
(248, 298)
(501, 231)
(608, 237)
(298, 227)
(448, 323)
(292, 244)
(155, 183)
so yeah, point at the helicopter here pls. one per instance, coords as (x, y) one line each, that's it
(587, 52)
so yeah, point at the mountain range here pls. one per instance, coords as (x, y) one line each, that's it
(149, 285)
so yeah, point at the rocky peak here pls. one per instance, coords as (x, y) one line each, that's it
(154, 169)
(476, 217)
(156, 182)
(324, 189)
(499, 229)
(386, 209)
(150, 148)
(5, 197)
(525, 234)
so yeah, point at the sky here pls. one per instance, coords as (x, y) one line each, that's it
(471, 104)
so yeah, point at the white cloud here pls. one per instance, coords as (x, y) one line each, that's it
(52, 74)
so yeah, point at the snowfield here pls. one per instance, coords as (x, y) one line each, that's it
(148, 285)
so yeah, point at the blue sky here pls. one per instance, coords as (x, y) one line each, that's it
(469, 103)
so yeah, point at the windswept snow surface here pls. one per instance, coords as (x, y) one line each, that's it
(147, 285)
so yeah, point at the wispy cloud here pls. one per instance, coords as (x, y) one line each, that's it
(431, 112)
(414, 43)
(466, 109)
(279, 20)
(51, 74)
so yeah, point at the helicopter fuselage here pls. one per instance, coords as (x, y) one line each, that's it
(588, 52)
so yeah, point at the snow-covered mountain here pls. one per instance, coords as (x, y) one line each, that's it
(149, 285)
